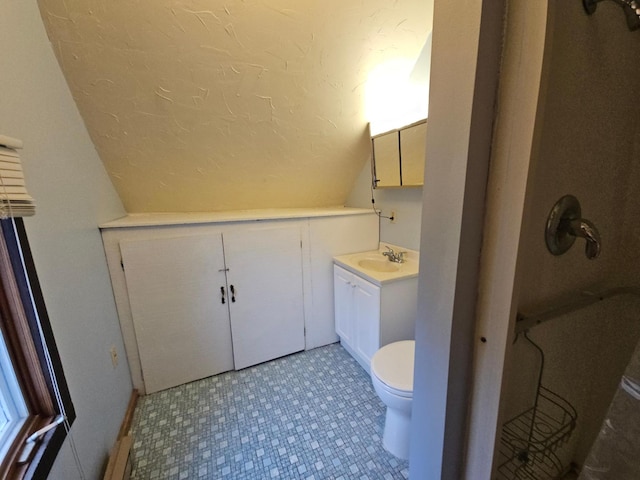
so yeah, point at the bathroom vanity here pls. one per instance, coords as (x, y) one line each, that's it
(200, 294)
(375, 301)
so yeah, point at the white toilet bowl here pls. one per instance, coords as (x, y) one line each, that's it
(392, 378)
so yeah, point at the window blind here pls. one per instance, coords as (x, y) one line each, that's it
(15, 201)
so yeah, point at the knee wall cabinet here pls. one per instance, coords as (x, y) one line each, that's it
(369, 316)
(182, 327)
(197, 299)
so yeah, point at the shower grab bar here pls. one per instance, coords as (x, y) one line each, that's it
(525, 322)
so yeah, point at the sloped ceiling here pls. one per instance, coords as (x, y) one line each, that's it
(208, 105)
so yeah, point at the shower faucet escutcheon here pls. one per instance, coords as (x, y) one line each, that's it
(565, 223)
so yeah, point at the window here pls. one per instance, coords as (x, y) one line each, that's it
(13, 409)
(33, 392)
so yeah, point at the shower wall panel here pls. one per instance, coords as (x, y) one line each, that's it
(588, 145)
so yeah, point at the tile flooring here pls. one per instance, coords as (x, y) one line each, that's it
(311, 415)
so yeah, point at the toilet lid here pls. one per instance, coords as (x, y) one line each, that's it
(393, 365)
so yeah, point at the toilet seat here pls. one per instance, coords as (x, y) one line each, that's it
(393, 366)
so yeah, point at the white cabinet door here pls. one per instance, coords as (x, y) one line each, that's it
(366, 306)
(181, 325)
(265, 288)
(357, 314)
(343, 301)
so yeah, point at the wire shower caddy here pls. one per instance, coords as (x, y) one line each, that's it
(530, 439)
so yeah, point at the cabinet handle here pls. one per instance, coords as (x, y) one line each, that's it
(233, 294)
(222, 294)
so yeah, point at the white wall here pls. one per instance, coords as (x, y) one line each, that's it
(405, 202)
(73, 194)
(463, 84)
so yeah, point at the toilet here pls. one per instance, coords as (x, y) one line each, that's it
(392, 378)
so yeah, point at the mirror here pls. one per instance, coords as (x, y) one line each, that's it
(398, 156)
(386, 160)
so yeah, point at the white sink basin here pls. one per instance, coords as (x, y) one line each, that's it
(379, 265)
(376, 268)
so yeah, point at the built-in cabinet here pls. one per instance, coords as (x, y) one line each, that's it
(265, 299)
(206, 304)
(175, 286)
(200, 296)
(369, 316)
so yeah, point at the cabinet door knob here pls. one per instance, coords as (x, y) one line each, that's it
(233, 294)
(222, 295)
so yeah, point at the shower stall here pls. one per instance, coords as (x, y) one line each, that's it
(578, 318)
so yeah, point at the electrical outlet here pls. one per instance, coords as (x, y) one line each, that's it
(393, 216)
(114, 356)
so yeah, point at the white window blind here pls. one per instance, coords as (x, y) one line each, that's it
(15, 201)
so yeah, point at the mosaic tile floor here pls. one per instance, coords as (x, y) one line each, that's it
(311, 415)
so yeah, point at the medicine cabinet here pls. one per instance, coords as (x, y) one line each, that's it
(399, 155)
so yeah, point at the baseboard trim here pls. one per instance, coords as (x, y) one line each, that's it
(128, 416)
(119, 464)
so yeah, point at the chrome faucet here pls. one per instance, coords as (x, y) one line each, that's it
(584, 228)
(393, 256)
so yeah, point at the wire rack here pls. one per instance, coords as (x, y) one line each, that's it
(530, 439)
(536, 466)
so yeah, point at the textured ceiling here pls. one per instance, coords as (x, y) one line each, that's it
(210, 105)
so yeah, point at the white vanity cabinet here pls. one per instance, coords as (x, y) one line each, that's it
(170, 274)
(357, 307)
(369, 316)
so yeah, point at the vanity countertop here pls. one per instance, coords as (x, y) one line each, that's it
(376, 268)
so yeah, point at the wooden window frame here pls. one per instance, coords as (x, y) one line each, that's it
(23, 318)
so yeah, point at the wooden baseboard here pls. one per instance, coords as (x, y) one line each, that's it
(128, 416)
(119, 466)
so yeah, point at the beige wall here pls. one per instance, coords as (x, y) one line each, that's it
(205, 106)
(405, 202)
(73, 195)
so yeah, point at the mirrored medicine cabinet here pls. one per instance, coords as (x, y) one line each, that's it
(398, 156)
